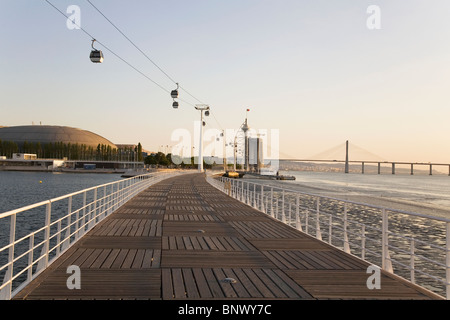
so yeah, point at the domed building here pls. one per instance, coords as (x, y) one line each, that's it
(58, 142)
(44, 134)
(43, 147)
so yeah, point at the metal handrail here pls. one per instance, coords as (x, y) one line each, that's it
(273, 201)
(106, 198)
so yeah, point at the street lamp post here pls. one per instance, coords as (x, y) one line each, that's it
(202, 108)
(244, 127)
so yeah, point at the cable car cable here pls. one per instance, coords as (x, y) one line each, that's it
(175, 105)
(123, 34)
(108, 49)
(142, 52)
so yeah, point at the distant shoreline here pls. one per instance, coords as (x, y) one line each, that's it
(37, 169)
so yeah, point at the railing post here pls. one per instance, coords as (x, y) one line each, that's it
(120, 191)
(5, 293)
(298, 223)
(247, 195)
(254, 205)
(30, 258)
(318, 232)
(58, 237)
(330, 228)
(385, 260)
(105, 204)
(66, 242)
(48, 215)
(346, 244)
(232, 194)
(234, 187)
(93, 215)
(262, 198)
(266, 211)
(276, 210)
(283, 213)
(114, 197)
(363, 242)
(307, 221)
(241, 193)
(271, 202)
(290, 214)
(447, 259)
(83, 221)
(412, 265)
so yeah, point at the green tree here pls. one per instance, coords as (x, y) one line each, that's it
(150, 160)
(139, 152)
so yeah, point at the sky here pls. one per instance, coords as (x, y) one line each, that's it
(316, 72)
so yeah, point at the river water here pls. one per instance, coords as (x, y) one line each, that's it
(18, 189)
(415, 193)
(422, 192)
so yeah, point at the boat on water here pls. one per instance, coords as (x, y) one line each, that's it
(285, 177)
(236, 175)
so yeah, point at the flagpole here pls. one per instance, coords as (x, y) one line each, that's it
(245, 128)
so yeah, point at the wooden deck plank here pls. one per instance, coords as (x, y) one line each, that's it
(258, 283)
(211, 259)
(166, 284)
(268, 282)
(226, 287)
(202, 284)
(213, 284)
(107, 264)
(238, 287)
(247, 283)
(190, 284)
(350, 284)
(178, 283)
(181, 238)
(131, 284)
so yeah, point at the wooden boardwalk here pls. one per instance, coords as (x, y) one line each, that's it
(183, 239)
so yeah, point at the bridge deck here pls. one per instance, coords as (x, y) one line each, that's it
(181, 239)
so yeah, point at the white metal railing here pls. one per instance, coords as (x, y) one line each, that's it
(411, 245)
(40, 233)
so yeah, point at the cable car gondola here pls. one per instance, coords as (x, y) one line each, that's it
(175, 105)
(174, 93)
(96, 55)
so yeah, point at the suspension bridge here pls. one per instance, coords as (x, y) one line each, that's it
(340, 154)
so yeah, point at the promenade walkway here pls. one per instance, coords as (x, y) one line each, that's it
(183, 239)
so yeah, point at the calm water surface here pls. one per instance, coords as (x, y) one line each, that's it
(18, 189)
(418, 193)
(425, 189)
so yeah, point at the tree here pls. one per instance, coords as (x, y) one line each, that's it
(150, 160)
(139, 152)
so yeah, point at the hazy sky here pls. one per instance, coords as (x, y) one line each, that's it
(311, 69)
